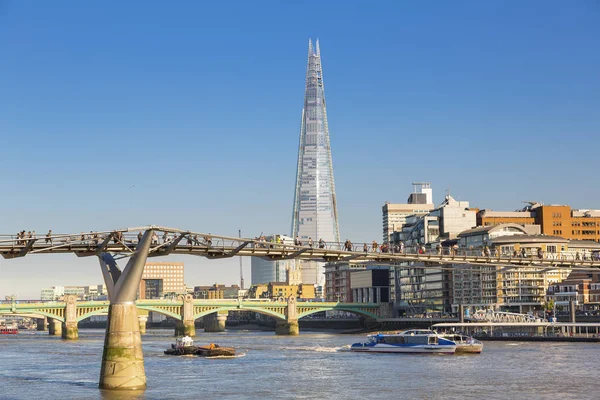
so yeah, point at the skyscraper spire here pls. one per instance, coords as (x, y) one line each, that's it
(315, 205)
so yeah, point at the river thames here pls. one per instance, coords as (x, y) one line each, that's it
(313, 365)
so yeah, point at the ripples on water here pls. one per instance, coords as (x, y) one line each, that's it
(34, 365)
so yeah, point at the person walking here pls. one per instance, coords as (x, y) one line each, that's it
(310, 242)
(321, 243)
(374, 246)
(365, 248)
(49, 237)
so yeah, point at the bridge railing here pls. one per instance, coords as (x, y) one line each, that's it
(129, 238)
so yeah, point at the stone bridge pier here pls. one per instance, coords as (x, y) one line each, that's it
(41, 324)
(54, 327)
(143, 319)
(70, 331)
(215, 322)
(290, 325)
(186, 327)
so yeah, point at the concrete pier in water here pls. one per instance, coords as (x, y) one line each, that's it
(290, 325)
(70, 331)
(55, 327)
(123, 358)
(215, 322)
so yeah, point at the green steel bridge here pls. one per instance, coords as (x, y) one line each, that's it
(176, 309)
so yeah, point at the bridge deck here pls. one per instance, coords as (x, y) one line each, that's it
(124, 242)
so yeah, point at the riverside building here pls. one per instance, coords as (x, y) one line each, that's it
(519, 289)
(557, 220)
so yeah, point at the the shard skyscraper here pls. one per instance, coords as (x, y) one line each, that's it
(315, 206)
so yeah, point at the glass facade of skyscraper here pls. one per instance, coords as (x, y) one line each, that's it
(315, 207)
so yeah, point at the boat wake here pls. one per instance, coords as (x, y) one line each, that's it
(318, 349)
(223, 357)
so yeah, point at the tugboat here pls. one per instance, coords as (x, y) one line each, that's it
(185, 346)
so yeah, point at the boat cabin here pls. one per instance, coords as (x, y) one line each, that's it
(184, 341)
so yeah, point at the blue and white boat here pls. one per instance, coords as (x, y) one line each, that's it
(411, 341)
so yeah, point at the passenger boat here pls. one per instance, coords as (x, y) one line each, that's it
(465, 344)
(185, 346)
(411, 341)
(8, 330)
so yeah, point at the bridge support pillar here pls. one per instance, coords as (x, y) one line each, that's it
(215, 322)
(41, 324)
(142, 319)
(186, 327)
(123, 359)
(55, 327)
(289, 328)
(290, 325)
(70, 331)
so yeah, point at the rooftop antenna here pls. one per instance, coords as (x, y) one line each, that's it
(241, 269)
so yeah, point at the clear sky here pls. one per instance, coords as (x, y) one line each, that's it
(187, 114)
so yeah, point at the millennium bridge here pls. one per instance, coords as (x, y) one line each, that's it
(122, 359)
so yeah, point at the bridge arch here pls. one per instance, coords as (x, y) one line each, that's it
(34, 314)
(262, 311)
(161, 311)
(99, 311)
(359, 312)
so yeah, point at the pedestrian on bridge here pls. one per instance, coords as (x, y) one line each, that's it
(310, 242)
(321, 243)
(208, 240)
(49, 237)
(139, 236)
(374, 246)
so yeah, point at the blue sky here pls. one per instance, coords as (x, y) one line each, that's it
(188, 114)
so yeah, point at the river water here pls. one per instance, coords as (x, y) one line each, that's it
(34, 365)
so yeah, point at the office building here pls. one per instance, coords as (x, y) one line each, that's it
(265, 271)
(556, 220)
(420, 202)
(160, 279)
(315, 205)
